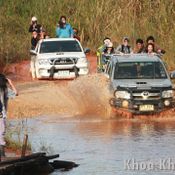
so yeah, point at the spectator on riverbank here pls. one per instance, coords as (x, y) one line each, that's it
(64, 29)
(124, 48)
(139, 48)
(34, 26)
(4, 82)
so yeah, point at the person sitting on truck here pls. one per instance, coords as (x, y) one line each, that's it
(150, 49)
(109, 49)
(158, 50)
(124, 48)
(64, 30)
(100, 50)
(107, 52)
(75, 35)
(139, 46)
(34, 26)
(43, 34)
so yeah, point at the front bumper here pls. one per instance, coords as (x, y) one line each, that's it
(136, 107)
(61, 71)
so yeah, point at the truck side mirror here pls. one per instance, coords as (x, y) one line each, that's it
(33, 52)
(172, 75)
(86, 50)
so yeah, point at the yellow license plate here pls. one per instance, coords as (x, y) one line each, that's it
(146, 108)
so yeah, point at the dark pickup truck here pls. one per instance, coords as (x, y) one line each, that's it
(140, 83)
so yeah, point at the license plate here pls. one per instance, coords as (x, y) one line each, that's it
(63, 73)
(146, 108)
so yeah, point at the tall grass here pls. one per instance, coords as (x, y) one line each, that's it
(95, 19)
(15, 134)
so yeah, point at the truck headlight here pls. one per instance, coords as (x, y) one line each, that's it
(43, 62)
(167, 94)
(122, 94)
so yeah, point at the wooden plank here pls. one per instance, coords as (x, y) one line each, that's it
(24, 146)
(32, 156)
(53, 156)
(34, 163)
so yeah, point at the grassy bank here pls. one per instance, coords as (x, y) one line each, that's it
(14, 135)
(94, 18)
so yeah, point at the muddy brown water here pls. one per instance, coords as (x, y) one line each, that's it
(102, 146)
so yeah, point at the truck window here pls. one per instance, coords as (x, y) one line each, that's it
(60, 46)
(139, 70)
(159, 71)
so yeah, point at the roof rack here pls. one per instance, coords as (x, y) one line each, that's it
(138, 54)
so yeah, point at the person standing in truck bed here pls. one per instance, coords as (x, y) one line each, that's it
(35, 29)
(124, 48)
(150, 50)
(64, 29)
(75, 30)
(34, 26)
(158, 50)
(139, 48)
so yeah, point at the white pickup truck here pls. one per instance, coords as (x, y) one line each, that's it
(58, 58)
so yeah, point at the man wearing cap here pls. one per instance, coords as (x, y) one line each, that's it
(124, 48)
(34, 26)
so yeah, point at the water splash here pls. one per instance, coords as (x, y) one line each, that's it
(84, 96)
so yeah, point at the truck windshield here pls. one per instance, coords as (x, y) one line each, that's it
(139, 70)
(60, 46)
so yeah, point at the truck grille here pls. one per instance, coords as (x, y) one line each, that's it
(146, 95)
(63, 61)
